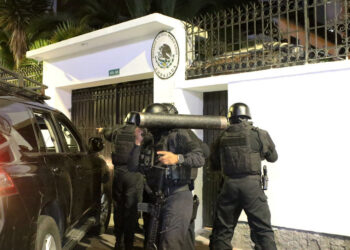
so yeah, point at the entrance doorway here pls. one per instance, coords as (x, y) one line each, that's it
(215, 103)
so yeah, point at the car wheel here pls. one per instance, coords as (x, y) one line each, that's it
(47, 235)
(103, 214)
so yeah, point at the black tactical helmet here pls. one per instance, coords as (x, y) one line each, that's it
(238, 110)
(130, 118)
(156, 108)
(171, 108)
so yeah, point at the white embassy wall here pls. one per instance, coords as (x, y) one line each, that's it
(306, 111)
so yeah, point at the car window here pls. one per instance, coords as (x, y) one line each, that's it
(47, 132)
(16, 123)
(70, 138)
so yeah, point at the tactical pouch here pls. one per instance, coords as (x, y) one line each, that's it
(123, 139)
(178, 175)
(146, 158)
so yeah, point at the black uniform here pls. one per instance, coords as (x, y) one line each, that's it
(239, 151)
(176, 212)
(191, 237)
(127, 186)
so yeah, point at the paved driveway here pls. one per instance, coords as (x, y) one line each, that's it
(106, 241)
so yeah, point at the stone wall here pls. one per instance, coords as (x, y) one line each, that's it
(288, 239)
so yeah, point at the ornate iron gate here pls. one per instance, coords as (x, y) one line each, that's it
(107, 106)
(215, 103)
(267, 34)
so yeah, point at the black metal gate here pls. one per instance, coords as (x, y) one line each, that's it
(215, 103)
(107, 106)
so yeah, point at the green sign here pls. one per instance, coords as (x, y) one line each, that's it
(114, 72)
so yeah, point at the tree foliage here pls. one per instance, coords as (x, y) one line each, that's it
(15, 16)
(102, 13)
(32, 23)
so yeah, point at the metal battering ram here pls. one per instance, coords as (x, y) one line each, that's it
(146, 120)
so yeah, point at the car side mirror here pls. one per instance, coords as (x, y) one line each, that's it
(95, 144)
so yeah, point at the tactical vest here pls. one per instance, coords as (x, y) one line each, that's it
(236, 154)
(175, 175)
(124, 140)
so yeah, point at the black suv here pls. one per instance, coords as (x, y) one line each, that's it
(51, 183)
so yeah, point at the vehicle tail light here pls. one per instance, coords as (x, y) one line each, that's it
(6, 184)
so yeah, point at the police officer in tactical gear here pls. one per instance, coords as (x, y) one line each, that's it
(238, 152)
(178, 153)
(127, 186)
(190, 239)
(194, 171)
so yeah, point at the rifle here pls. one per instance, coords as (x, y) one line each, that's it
(158, 198)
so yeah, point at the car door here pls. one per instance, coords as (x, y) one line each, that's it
(87, 173)
(60, 164)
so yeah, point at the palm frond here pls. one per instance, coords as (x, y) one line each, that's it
(69, 29)
(39, 43)
(42, 27)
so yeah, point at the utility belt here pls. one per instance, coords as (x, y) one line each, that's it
(169, 190)
(176, 183)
